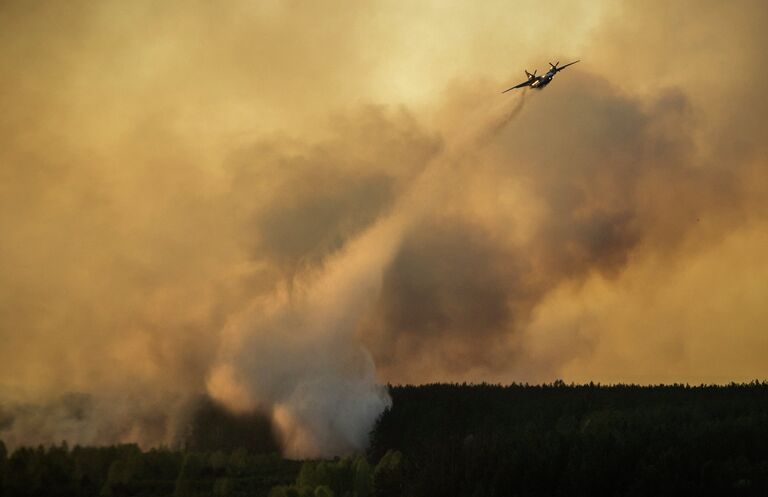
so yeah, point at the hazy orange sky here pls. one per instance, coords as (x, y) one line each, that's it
(187, 189)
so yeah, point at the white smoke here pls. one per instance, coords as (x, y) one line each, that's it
(297, 356)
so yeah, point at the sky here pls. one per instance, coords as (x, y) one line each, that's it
(283, 205)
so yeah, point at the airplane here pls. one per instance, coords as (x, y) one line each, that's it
(540, 82)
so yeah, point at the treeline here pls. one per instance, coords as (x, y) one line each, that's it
(347, 477)
(560, 440)
(125, 470)
(450, 440)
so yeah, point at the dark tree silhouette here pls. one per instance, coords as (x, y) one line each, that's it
(452, 440)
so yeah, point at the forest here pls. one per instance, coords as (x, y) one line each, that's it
(448, 440)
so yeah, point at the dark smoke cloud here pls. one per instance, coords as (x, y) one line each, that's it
(610, 176)
(448, 294)
(307, 201)
(203, 201)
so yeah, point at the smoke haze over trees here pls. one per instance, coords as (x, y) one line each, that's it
(457, 440)
(280, 214)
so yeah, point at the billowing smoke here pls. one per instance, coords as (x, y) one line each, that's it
(282, 215)
(299, 358)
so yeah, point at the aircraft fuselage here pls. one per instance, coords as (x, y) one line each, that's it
(542, 81)
(539, 82)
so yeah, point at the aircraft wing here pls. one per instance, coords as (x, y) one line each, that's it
(569, 64)
(524, 83)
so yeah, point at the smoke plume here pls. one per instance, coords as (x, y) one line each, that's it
(281, 215)
(300, 360)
